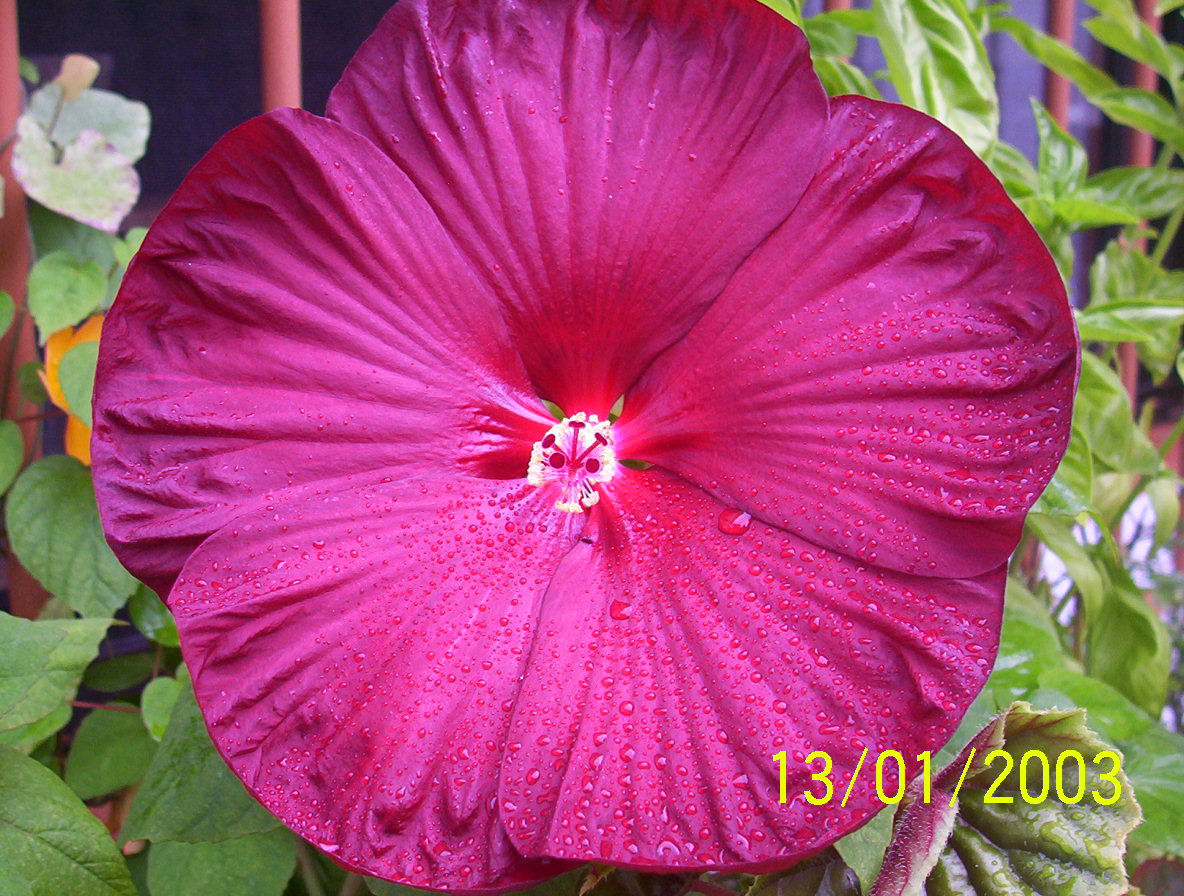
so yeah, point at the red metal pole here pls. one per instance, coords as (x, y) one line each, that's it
(1141, 152)
(829, 5)
(19, 345)
(1061, 22)
(279, 27)
(1142, 148)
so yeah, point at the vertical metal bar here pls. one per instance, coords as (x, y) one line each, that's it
(1062, 18)
(1141, 152)
(19, 345)
(279, 27)
(1142, 147)
(829, 5)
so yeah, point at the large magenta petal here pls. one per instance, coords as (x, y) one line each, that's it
(672, 661)
(607, 164)
(891, 375)
(356, 655)
(297, 312)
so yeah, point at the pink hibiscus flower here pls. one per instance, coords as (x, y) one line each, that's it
(459, 645)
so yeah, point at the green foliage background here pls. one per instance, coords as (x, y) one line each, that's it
(1087, 647)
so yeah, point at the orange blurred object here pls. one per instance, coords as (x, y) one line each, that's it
(56, 347)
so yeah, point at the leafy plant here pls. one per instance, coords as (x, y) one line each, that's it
(1087, 616)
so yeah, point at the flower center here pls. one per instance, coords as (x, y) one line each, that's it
(576, 454)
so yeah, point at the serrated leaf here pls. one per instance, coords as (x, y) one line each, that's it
(53, 527)
(64, 291)
(49, 840)
(77, 376)
(939, 65)
(152, 617)
(121, 122)
(41, 665)
(111, 750)
(255, 865)
(188, 793)
(1051, 845)
(89, 181)
(156, 705)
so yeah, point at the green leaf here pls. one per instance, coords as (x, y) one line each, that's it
(1148, 192)
(1104, 414)
(111, 750)
(1051, 845)
(156, 705)
(791, 9)
(64, 291)
(1108, 711)
(41, 665)
(1082, 212)
(1127, 643)
(49, 840)
(1013, 168)
(1144, 111)
(87, 180)
(29, 379)
(1154, 761)
(152, 617)
(12, 453)
(57, 233)
(53, 527)
(121, 122)
(839, 77)
(939, 65)
(1128, 321)
(127, 247)
(254, 865)
(1070, 492)
(1053, 54)
(1164, 492)
(188, 793)
(1131, 37)
(1062, 162)
(28, 738)
(120, 673)
(863, 849)
(823, 875)
(28, 71)
(77, 376)
(7, 312)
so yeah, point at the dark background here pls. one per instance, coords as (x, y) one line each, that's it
(195, 63)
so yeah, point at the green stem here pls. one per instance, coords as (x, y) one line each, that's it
(1172, 438)
(1167, 236)
(308, 870)
(352, 886)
